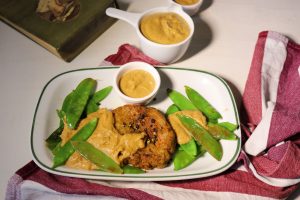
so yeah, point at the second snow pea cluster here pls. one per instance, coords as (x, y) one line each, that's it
(204, 139)
(80, 102)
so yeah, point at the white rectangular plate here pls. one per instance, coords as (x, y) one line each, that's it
(212, 87)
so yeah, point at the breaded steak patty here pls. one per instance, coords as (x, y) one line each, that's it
(160, 140)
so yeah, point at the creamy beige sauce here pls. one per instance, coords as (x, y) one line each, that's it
(183, 135)
(105, 138)
(165, 28)
(137, 83)
(186, 2)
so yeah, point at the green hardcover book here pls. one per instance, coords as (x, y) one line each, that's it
(64, 27)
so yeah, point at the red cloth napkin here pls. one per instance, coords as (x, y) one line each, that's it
(268, 166)
(128, 53)
(272, 110)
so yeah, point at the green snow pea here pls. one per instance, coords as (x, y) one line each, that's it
(128, 169)
(91, 107)
(94, 101)
(56, 148)
(54, 138)
(202, 136)
(67, 101)
(190, 147)
(172, 109)
(101, 94)
(62, 153)
(182, 159)
(229, 126)
(79, 100)
(203, 105)
(91, 153)
(220, 132)
(180, 100)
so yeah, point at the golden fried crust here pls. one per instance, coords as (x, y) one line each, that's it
(160, 140)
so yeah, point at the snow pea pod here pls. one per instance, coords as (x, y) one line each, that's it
(91, 107)
(67, 101)
(56, 148)
(220, 132)
(180, 100)
(229, 126)
(202, 104)
(101, 94)
(182, 159)
(94, 101)
(54, 139)
(79, 100)
(202, 136)
(128, 169)
(64, 152)
(91, 153)
(190, 147)
(172, 109)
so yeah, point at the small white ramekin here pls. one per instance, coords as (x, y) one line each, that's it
(137, 66)
(190, 9)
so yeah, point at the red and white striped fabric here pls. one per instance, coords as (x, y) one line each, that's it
(268, 167)
(272, 104)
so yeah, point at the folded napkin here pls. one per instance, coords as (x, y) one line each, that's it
(268, 166)
(272, 111)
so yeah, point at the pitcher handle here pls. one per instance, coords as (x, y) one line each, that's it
(131, 18)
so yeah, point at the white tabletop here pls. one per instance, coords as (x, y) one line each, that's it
(225, 35)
